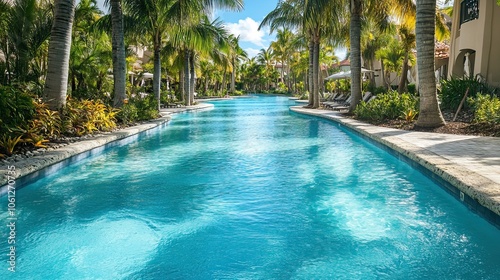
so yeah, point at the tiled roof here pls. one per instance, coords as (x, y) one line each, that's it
(442, 51)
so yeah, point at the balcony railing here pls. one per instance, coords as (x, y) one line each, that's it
(469, 10)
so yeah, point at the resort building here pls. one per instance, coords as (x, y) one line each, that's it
(475, 40)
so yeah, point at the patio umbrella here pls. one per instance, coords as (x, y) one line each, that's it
(345, 75)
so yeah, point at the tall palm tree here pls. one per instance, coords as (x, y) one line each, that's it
(430, 114)
(265, 58)
(313, 18)
(407, 39)
(90, 56)
(282, 49)
(25, 27)
(153, 20)
(202, 37)
(56, 84)
(236, 55)
(381, 12)
(355, 48)
(119, 58)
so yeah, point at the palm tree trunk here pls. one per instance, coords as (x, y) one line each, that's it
(316, 73)
(223, 86)
(56, 84)
(186, 81)
(7, 61)
(355, 37)
(233, 77)
(181, 85)
(118, 49)
(192, 80)
(372, 74)
(404, 75)
(310, 73)
(157, 72)
(430, 114)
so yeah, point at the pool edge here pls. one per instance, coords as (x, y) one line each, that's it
(33, 168)
(448, 175)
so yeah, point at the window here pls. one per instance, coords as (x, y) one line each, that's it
(469, 10)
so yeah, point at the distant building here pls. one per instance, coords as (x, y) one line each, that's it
(475, 40)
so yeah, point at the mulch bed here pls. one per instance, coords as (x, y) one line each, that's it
(463, 125)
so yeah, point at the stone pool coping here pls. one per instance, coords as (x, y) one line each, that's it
(468, 167)
(28, 166)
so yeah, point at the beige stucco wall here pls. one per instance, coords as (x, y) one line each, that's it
(477, 35)
(493, 75)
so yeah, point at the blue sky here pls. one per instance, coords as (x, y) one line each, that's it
(246, 23)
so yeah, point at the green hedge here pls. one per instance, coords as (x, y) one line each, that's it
(486, 108)
(388, 106)
(453, 91)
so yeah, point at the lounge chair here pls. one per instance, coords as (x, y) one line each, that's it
(367, 97)
(341, 99)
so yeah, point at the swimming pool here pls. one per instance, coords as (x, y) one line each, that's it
(246, 190)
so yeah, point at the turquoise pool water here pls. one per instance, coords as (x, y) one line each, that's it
(246, 191)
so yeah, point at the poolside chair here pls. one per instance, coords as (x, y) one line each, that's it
(344, 103)
(340, 100)
(368, 97)
(330, 98)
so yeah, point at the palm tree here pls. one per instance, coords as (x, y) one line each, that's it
(152, 19)
(355, 48)
(313, 19)
(161, 19)
(56, 84)
(430, 114)
(407, 39)
(282, 48)
(119, 62)
(25, 27)
(380, 11)
(202, 37)
(236, 55)
(265, 58)
(90, 56)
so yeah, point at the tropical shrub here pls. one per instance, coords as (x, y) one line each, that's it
(9, 143)
(453, 91)
(486, 108)
(344, 85)
(17, 109)
(388, 106)
(82, 117)
(46, 122)
(412, 89)
(128, 114)
(147, 107)
(141, 108)
(380, 90)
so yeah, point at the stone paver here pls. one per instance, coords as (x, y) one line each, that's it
(470, 163)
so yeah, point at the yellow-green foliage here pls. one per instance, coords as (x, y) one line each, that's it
(388, 106)
(88, 116)
(486, 108)
(9, 143)
(46, 122)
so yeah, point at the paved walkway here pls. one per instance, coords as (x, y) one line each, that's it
(470, 163)
(199, 106)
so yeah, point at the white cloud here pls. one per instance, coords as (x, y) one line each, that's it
(248, 31)
(252, 52)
